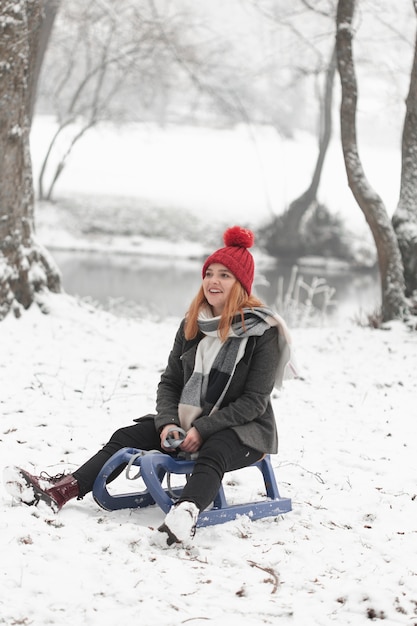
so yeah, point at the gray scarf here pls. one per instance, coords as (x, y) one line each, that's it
(216, 361)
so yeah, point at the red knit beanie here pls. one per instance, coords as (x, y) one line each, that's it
(235, 256)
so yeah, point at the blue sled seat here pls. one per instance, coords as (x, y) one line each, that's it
(155, 466)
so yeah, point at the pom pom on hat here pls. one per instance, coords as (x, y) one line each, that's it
(238, 236)
(235, 255)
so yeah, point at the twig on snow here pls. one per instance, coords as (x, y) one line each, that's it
(271, 572)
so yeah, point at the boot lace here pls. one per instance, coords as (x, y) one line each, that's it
(52, 479)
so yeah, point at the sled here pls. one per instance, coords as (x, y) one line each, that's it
(155, 466)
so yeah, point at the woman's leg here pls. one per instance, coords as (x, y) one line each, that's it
(222, 452)
(31, 489)
(141, 435)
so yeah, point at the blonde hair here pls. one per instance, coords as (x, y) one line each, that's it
(237, 301)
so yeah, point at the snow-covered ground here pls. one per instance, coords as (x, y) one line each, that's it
(345, 554)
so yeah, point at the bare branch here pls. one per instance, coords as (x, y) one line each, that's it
(271, 572)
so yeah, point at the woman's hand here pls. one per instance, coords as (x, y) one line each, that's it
(192, 442)
(165, 432)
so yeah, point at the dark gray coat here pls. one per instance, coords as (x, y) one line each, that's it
(246, 407)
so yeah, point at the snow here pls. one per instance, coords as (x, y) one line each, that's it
(345, 553)
(216, 173)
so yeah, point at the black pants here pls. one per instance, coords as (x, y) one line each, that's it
(220, 453)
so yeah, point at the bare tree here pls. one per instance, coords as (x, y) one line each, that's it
(394, 303)
(118, 66)
(405, 216)
(308, 26)
(291, 220)
(99, 49)
(26, 269)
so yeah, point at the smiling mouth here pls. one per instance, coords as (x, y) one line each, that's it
(214, 291)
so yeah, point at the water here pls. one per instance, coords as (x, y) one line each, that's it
(165, 288)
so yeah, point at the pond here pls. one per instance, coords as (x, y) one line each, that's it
(165, 287)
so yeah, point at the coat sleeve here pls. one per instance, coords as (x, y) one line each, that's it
(171, 384)
(249, 392)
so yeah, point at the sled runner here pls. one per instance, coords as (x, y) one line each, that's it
(155, 466)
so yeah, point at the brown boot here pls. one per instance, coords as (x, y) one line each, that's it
(55, 491)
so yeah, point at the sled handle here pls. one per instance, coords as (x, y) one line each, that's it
(173, 442)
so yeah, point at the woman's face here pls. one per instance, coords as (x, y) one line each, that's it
(217, 284)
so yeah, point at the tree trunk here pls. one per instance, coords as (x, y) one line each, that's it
(394, 303)
(405, 217)
(26, 269)
(298, 208)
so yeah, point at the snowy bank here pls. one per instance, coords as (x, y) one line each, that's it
(345, 554)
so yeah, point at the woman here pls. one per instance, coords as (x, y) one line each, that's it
(229, 352)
